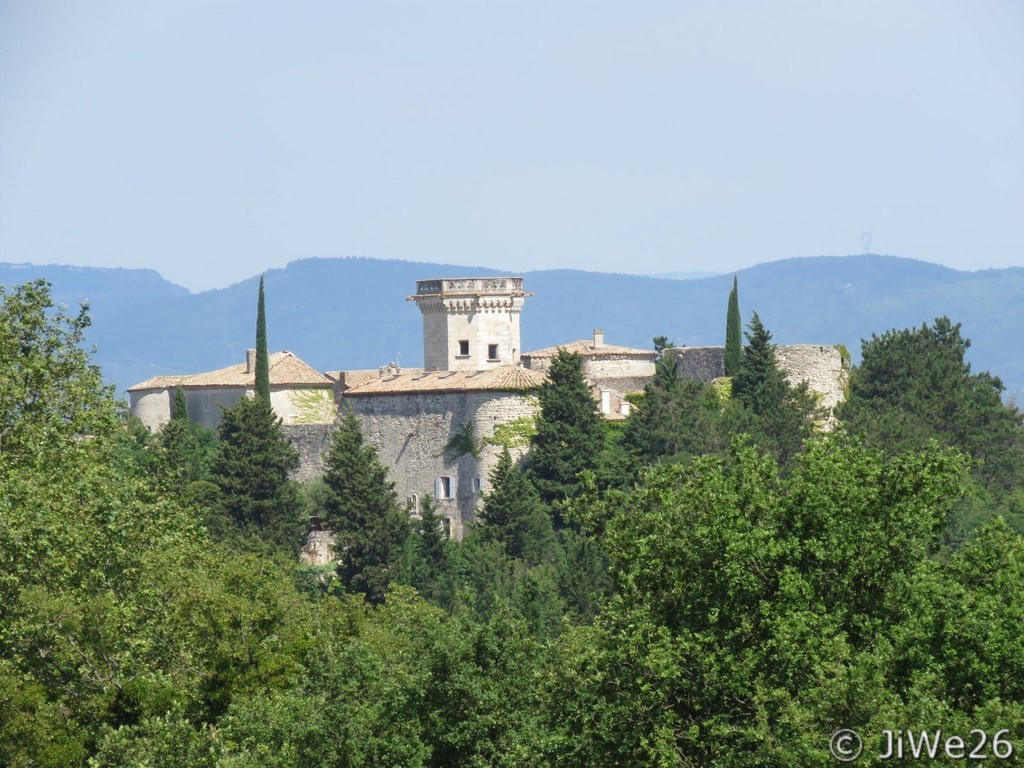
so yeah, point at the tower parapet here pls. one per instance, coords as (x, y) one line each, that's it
(470, 323)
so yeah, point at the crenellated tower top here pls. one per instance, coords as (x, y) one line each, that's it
(470, 323)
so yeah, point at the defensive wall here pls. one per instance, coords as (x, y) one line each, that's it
(825, 368)
(412, 431)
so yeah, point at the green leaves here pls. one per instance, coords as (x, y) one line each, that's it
(50, 394)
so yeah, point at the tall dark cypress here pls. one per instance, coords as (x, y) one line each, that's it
(262, 357)
(733, 333)
(179, 406)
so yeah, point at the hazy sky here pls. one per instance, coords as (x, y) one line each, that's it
(212, 140)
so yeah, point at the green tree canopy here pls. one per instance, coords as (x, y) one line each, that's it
(757, 612)
(50, 392)
(251, 472)
(514, 514)
(362, 510)
(262, 353)
(570, 432)
(914, 385)
(778, 416)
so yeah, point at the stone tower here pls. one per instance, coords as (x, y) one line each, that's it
(471, 323)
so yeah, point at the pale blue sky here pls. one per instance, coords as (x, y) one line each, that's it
(213, 140)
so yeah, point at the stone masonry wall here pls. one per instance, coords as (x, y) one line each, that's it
(822, 366)
(312, 441)
(699, 363)
(411, 431)
(619, 374)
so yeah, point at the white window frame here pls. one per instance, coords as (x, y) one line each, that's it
(441, 492)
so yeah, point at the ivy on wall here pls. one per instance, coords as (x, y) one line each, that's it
(513, 434)
(461, 443)
(313, 406)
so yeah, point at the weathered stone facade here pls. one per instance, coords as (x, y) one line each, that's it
(298, 394)
(312, 441)
(411, 432)
(699, 363)
(618, 370)
(825, 368)
(470, 324)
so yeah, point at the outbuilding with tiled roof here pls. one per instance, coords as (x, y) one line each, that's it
(615, 369)
(299, 394)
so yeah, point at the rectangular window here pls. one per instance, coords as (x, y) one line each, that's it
(478, 486)
(443, 488)
(463, 348)
(492, 351)
(446, 527)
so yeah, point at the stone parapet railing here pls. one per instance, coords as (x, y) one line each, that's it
(470, 285)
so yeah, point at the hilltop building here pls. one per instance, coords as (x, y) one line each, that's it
(825, 368)
(612, 371)
(441, 430)
(298, 393)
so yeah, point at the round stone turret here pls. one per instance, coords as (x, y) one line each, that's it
(470, 323)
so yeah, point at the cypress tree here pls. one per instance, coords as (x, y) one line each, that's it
(780, 417)
(262, 356)
(733, 333)
(179, 406)
(570, 431)
(514, 515)
(362, 510)
(250, 470)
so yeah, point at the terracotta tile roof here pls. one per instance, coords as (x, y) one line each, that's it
(285, 369)
(585, 347)
(348, 379)
(506, 378)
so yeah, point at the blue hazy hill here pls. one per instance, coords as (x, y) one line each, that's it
(351, 313)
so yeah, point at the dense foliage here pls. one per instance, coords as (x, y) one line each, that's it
(362, 510)
(731, 601)
(570, 435)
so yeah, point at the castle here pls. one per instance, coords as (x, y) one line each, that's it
(440, 429)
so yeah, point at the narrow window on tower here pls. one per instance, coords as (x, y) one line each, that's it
(492, 351)
(463, 348)
(443, 488)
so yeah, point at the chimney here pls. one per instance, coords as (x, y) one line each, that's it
(598, 338)
(250, 361)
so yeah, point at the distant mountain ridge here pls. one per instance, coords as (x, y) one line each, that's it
(350, 312)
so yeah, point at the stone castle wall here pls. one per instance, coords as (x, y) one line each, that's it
(312, 441)
(618, 373)
(822, 366)
(411, 431)
(699, 363)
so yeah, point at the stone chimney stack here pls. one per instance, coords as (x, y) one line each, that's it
(598, 338)
(250, 361)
